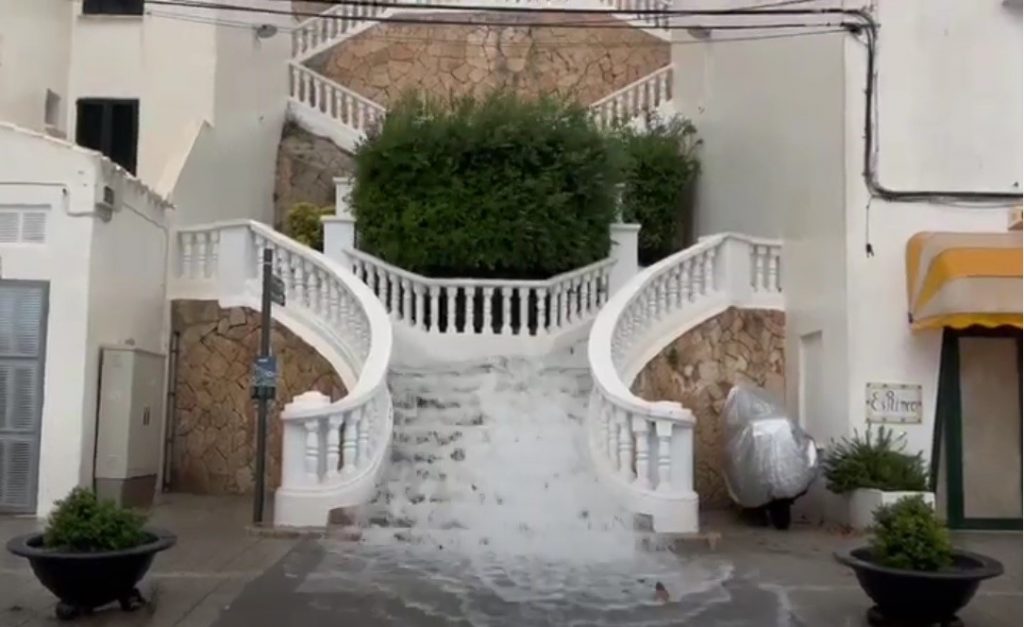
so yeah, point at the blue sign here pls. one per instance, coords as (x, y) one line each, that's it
(264, 372)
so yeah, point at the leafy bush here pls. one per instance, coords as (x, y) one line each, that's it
(500, 187)
(907, 535)
(81, 522)
(303, 224)
(878, 463)
(660, 169)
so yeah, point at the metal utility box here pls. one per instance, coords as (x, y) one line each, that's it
(129, 425)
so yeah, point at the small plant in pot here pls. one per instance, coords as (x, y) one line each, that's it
(91, 553)
(872, 471)
(912, 572)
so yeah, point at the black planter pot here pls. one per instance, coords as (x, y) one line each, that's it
(919, 597)
(83, 581)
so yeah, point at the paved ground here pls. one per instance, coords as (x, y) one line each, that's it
(219, 575)
(191, 583)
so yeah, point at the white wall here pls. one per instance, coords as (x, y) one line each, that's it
(950, 108)
(768, 111)
(231, 170)
(190, 74)
(127, 291)
(35, 42)
(106, 285)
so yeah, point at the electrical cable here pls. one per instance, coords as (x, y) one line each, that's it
(863, 23)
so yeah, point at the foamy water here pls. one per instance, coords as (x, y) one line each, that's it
(539, 541)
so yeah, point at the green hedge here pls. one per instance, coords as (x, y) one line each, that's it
(495, 188)
(660, 170)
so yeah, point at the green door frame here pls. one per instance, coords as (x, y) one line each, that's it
(949, 426)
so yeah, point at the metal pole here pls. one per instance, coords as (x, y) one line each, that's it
(262, 401)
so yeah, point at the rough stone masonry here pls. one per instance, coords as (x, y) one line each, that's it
(213, 424)
(700, 367)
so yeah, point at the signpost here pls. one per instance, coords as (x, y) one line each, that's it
(264, 378)
(893, 403)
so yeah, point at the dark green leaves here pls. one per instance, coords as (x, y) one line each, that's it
(877, 462)
(502, 187)
(907, 535)
(82, 523)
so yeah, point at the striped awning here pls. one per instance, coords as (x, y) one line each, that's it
(963, 279)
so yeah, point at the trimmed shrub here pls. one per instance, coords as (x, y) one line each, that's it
(908, 535)
(500, 187)
(81, 522)
(660, 169)
(304, 226)
(878, 463)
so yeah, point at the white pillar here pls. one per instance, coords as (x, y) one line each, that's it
(625, 249)
(342, 190)
(339, 236)
(235, 260)
(733, 271)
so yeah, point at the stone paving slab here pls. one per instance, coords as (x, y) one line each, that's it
(189, 584)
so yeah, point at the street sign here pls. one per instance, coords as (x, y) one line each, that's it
(264, 372)
(277, 290)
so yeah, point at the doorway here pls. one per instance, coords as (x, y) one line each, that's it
(23, 313)
(977, 467)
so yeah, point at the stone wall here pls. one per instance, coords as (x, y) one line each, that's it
(306, 167)
(214, 416)
(698, 370)
(459, 60)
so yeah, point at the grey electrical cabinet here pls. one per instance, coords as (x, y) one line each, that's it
(129, 425)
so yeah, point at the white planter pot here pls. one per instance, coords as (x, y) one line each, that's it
(863, 503)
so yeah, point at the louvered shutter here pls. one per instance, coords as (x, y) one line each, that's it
(22, 317)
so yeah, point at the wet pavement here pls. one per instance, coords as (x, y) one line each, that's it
(756, 577)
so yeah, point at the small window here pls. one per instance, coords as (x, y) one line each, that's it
(111, 127)
(112, 7)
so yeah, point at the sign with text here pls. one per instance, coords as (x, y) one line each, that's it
(893, 403)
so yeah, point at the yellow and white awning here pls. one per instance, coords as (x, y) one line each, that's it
(962, 279)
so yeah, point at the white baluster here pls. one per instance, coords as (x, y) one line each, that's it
(687, 280)
(312, 448)
(542, 311)
(391, 284)
(625, 446)
(470, 324)
(334, 424)
(709, 270)
(664, 431)
(188, 261)
(757, 281)
(774, 284)
(505, 296)
(643, 468)
(488, 323)
(524, 303)
(435, 309)
(407, 302)
(363, 436)
(349, 444)
(451, 292)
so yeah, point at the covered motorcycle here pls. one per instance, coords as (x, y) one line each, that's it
(769, 459)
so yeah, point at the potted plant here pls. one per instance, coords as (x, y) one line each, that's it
(874, 471)
(91, 553)
(910, 569)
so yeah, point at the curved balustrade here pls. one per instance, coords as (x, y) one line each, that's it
(643, 450)
(635, 99)
(486, 307)
(332, 453)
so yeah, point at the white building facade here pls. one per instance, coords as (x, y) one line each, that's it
(782, 115)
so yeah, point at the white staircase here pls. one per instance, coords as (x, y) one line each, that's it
(328, 109)
(643, 450)
(333, 454)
